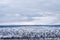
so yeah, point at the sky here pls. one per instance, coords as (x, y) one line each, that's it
(30, 12)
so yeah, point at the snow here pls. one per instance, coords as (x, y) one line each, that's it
(25, 31)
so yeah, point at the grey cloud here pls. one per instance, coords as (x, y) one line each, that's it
(28, 9)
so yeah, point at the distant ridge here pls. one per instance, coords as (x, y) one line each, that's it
(29, 25)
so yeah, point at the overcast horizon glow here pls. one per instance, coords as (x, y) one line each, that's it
(30, 12)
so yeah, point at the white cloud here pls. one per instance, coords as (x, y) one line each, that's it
(44, 20)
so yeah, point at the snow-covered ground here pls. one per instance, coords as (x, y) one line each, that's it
(30, 32)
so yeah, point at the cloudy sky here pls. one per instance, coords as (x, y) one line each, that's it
(29, 11)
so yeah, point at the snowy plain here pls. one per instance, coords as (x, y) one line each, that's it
(41, 32)
(18, 31)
